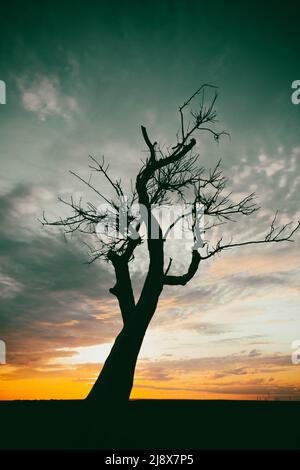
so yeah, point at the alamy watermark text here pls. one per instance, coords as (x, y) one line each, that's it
(2, 92)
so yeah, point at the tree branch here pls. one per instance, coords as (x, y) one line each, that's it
(185, 278)
(149, 144)
(123, 287)
(271, 237)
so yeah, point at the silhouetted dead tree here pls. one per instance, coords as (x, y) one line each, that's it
(165, 177)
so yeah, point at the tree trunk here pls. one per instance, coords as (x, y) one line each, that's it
(115, 381)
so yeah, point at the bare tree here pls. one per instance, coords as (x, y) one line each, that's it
(165, 176)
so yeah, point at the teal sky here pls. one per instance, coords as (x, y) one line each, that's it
(81, 78)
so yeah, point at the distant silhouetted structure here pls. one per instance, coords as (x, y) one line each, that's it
(166, 177)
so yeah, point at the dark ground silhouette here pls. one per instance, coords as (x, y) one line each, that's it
(150, 424)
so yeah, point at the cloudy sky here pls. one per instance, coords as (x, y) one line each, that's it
(81, 78)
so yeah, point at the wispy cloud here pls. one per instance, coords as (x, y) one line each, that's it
(43, 95)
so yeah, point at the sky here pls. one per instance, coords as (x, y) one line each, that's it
(81, 78)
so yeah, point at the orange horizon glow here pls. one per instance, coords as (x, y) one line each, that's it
(178, 360)
(70, 387)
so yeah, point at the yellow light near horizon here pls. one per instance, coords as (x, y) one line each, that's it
(84, 354)
(44, 389)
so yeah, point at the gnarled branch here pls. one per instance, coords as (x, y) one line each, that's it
(185, 278)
